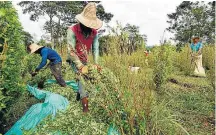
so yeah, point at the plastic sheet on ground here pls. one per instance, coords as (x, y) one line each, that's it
(53, 103)
(112, 130)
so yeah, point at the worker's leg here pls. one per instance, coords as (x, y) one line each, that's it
(56, 71)
(82, 93)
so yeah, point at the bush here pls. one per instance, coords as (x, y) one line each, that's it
(162, 65)
(183, 61)
(10, 30)
(209, 63)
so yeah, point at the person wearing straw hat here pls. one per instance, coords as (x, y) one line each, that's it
(196, 54)
(54, 58)
(82, 37)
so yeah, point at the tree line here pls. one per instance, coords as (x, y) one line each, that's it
(193, 19)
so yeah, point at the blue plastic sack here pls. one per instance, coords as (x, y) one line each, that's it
(112, 130)
(53, 103)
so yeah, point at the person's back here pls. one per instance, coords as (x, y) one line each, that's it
(52, 55)
(55, 61)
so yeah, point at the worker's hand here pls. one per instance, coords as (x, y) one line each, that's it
(34, 74)
(199, 52)
(97, 67)
(83, 70)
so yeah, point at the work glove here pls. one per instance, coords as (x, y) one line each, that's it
(97, 67)
(34, 74)
(83, 69)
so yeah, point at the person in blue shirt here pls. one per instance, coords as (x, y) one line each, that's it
(196, 46)
(196, 54)
(47, 54)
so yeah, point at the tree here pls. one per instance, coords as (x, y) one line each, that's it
(122, 40)
(193, 18)
(27, 35)
(136, 39)
(60, 13)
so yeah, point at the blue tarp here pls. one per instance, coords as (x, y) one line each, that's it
(53, 103)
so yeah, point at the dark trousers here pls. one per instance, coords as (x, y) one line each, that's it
(56, 71)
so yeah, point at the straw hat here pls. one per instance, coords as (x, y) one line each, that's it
(88, 17)
(195, 37)
(34, 47)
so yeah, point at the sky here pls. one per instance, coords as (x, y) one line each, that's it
(150, 16)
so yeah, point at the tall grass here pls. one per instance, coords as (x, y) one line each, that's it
(138, 96)
(183, 62)
(163, 65)
(209, 63)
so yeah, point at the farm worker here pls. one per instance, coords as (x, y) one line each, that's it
(81, 38)
(196, 54)
(146, 53)
(47, 53)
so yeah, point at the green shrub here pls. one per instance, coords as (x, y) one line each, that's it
(209, 63)
(162, 65)
(10, 30)
(13, 113)
(183, 61)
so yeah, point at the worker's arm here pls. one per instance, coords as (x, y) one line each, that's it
(95, 49)
(71, 41)
(200, 49)
(44, 59)
(191, 50)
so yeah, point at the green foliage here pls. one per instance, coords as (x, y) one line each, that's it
(193, 18)
(44, 43)
(11, 30)
(183, 61)
(143, 115)
(64, 11)
(193, 104)
(162, 64)
(27, 36)
(209, 63)
(17, 110)
(29, 64)
(122, 40)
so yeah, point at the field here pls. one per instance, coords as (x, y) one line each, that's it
(182, 104)
(163, 98)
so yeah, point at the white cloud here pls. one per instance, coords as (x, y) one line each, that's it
(150, 16)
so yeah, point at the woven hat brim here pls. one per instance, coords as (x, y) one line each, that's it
(196, 37)
(94, 24)
(35, 48)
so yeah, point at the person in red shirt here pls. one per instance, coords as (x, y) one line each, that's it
(82, 37)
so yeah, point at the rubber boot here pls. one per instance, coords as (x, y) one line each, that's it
(85, 104)
(78, 96)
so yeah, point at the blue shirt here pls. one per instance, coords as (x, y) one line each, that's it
(47, 53)
(195, 48)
